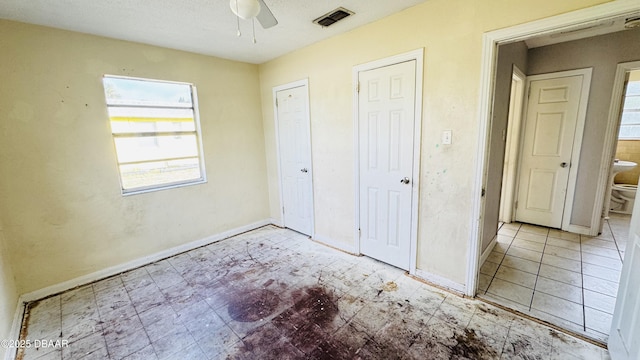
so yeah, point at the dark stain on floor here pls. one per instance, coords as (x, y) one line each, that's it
(305, 330)
(295, 333)
(523, 350)
(469, 346)
(253, 305)
(556, 335)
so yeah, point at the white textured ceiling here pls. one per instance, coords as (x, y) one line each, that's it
(201, 26)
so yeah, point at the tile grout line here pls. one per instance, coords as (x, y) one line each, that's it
(60, 302)
(144, 328)
(535, 284)
(615, 241)
(503, 256)
(102, 322)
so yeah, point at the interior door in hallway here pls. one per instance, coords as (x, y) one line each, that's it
(552, 116)
(295, 158)
(386, 120)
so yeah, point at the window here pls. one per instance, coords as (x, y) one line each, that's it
(156, 133)
(630, 123)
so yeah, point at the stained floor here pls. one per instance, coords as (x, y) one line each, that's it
(567, 279)
(274, 294)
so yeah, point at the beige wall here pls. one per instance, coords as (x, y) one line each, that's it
(63, 213)
(450, 31)
(508, 56)
(8, 294)
(602, 53)
(628, 150)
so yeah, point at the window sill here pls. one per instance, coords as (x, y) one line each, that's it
(163, 187)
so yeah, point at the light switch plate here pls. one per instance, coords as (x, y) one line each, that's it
(446, 137)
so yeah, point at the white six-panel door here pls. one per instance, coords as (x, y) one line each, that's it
(295, 158)
(386, 102)
(552, 114)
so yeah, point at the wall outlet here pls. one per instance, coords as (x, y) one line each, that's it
(446, 137)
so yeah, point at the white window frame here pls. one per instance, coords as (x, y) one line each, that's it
(197, 132)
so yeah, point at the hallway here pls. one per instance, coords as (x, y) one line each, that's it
(566, 279)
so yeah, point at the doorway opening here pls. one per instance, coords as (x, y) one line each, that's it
(532, 246)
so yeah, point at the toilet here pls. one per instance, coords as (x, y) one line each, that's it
(622, 198)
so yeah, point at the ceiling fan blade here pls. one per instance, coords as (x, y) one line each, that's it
(265, 16)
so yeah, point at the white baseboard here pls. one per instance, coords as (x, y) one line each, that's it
(14, 333)
(441, 281)
(351, 249)
(488, 251)
(582, 230)
(114, 270)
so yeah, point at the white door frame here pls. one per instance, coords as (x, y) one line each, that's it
(611, 135)
(300, 83)
(491, 40)
(577, 139)
(418, 56)
(512, 146)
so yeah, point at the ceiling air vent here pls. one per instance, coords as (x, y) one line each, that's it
(333, 17)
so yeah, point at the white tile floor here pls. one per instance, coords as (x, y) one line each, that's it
(566, 279)
(274, 294)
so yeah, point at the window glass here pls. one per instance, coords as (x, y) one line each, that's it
(155, 130)
(630, 119)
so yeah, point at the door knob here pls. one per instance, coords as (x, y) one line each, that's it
(564, 164)
(304, 170)
(405, 180)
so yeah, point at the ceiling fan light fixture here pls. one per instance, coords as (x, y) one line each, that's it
(245, 9)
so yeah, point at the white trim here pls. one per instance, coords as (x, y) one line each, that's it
(356, 165)
(276, 222)
(487, 79)
(603, 194)
(14, 333)
(295, 84)
(579, 229)
(512, 145)
(440, 281)
(488, 250)
(351, 249)
(417, 56)
(114, 270)
(487, 76)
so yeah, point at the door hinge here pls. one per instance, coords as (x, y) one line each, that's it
(359, 233)
(482, 192)
(358, 87)
(516, 204)
(529, 92)
(283, 209)
(276, 102)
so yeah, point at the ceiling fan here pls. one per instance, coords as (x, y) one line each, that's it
(251, 10)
